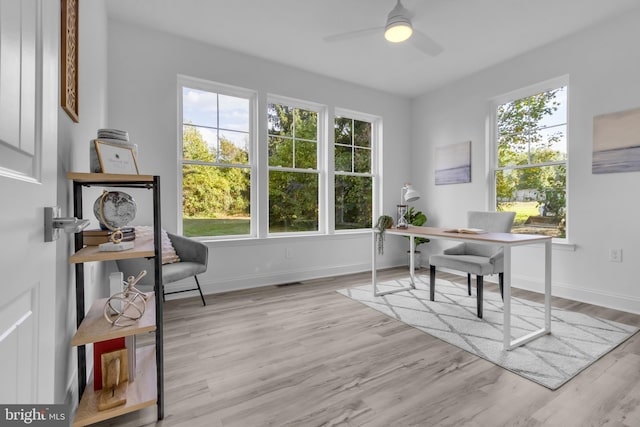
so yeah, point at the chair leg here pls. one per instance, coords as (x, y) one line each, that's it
(501, 281)
(200, 290)
(432, 282)
(469, 283)
(479, 285)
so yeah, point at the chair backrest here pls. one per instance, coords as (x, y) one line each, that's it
(496, 222)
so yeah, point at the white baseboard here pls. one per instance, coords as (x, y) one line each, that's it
(598, 297)
(250, 281)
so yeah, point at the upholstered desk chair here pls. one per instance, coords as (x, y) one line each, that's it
(475, 258)
(193, 260)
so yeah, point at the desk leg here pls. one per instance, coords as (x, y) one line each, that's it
(412, 252)
(547, 286)
(507, 299)
(508, 344)
(374, 267)
(373, 263)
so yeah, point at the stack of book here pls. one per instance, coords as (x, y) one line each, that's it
(96, 237)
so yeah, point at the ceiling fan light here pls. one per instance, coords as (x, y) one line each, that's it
(398, 31)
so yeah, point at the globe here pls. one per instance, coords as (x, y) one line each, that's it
(118, 209)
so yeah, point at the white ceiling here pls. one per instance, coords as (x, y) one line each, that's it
(474, 34)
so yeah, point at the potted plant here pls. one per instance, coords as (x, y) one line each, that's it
(384, 222)
(417, 218)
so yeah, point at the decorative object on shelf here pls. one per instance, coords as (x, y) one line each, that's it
(115, 375)
(113, 137)
(453, 163)
(113, 134)
(100, 348)
(126, 307)
(69, 58)
(401, 217)
(384, 222)
(407, 194)
(116, 158)
(114, 210)
(97, 236)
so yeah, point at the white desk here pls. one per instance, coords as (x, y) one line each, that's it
(507, 241)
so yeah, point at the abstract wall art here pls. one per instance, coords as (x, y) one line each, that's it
(453, 163)
(616, 142)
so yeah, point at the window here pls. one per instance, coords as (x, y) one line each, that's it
(300, 181)
(531, 159)
(216, 135)
(294, 174)
(353, 177)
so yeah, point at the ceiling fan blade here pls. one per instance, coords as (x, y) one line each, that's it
(425, 43)
(353, 34)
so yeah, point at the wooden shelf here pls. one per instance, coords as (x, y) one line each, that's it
(141, 392)
(94, 326)
(143, 249)
(107, 178)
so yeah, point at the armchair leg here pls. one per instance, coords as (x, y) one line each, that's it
(432, 282)
(479, 285)
(469, 283)
(200, 290)
(501, 281)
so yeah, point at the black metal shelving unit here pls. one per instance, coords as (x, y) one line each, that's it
(151, 182)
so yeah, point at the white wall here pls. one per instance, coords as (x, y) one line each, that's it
(603, 64)
(143, 68)
(73, 155)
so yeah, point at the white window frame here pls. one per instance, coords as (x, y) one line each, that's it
(221, 89)
(321, 165)
(376, 134)
(493, 137)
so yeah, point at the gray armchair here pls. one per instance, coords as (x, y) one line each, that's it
(475, 258)
(193, 255)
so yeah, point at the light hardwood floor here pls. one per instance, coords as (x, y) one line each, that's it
(303, 355)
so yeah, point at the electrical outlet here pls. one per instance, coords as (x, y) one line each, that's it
(288, 254)
(615, 255)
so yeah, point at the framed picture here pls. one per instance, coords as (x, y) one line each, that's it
(453, 163)
(616, 142)
(115, 158)
(69, 58)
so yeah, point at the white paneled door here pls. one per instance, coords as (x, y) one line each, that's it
(29, 33)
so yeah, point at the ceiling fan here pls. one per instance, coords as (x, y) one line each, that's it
(398, 29)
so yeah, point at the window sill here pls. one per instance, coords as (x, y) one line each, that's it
(563, 245)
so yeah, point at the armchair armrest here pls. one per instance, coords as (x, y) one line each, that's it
(459, 249)
(189, 249)
(497, 256)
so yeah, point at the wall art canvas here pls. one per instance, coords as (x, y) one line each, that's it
(616, 142)
(453, 163)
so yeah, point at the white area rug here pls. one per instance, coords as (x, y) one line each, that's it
(576, 340)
